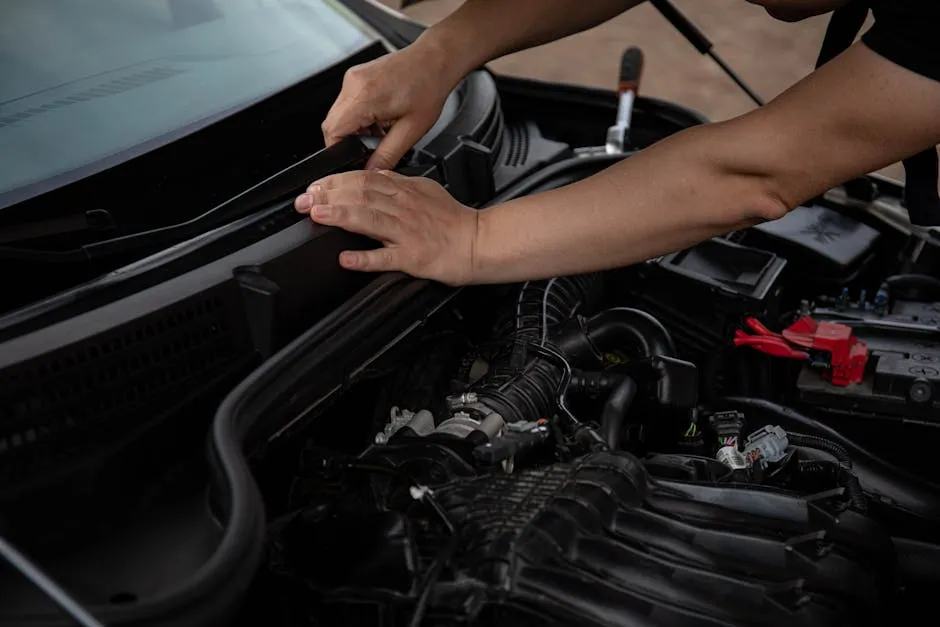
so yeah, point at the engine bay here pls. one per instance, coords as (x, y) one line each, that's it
(741, 433)
(736, 434)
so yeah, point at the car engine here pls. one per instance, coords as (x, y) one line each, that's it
(737, 434)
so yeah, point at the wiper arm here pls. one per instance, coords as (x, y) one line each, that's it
(347, 154)
(70, 224)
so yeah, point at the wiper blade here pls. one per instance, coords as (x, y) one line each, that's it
(278, 187)
(347, 154)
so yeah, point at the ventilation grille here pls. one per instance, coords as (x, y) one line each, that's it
(102, 90)
(516, 146)
(66, 403)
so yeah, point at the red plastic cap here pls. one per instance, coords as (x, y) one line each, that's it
(847, 357)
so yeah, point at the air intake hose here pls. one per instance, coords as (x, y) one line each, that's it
(524, 384)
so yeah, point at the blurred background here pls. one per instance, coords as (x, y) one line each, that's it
(770, 55)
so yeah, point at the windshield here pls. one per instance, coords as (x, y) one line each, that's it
(87, 83)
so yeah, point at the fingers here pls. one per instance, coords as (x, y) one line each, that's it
(372, 222)
(379, 260)
(353, 188)
(376, 180)
(344, 119)
(402, 135)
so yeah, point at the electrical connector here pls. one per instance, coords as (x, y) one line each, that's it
(767, 445)
(727, 425)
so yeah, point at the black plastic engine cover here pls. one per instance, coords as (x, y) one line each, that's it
(599, 542)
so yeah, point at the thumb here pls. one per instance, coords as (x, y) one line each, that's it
(402, 135)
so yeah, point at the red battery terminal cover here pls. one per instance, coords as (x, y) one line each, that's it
(844, 356)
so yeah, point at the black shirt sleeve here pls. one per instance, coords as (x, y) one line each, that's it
(907, 32)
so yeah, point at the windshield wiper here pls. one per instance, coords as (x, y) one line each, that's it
(70, 224)
(347, 154)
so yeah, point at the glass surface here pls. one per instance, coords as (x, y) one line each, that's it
(86, 81)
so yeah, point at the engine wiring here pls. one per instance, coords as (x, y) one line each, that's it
(430, 579)
(422, 493)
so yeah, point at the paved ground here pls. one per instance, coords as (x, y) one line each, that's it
(770, 55)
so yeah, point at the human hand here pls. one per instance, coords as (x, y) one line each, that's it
(424, 231)
(398, 96)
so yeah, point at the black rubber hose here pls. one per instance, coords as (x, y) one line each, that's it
(876, 475)
(523, 385)
(812, 441)
(594, 383)
(617, 327)
(527, 390)
(528, 395)
(615, 412)
(924, 282)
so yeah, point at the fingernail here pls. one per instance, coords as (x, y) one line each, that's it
(321, 211)
(303, 202)
(314, 189)
(348, 259)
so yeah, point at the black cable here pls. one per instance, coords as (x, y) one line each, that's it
(811, 441)
(434, 572)
(427, 584)
(845, 477)
(400, 474)
(562, 390)
(906, 490)
(50, 588)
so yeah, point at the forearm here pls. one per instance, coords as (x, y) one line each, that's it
(797, 10)
(483, 30)
(856, 114)
(666, 198)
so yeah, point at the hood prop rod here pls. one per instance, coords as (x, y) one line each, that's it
(700, 42)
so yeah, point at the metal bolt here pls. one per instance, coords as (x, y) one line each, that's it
(921, 391)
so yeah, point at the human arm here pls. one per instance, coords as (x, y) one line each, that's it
(483, 30)
(796, 10)
(851, 117)
(402, 94)
(854, 115)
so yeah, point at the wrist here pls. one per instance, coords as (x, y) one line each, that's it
(450, 55)
(484, 261)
